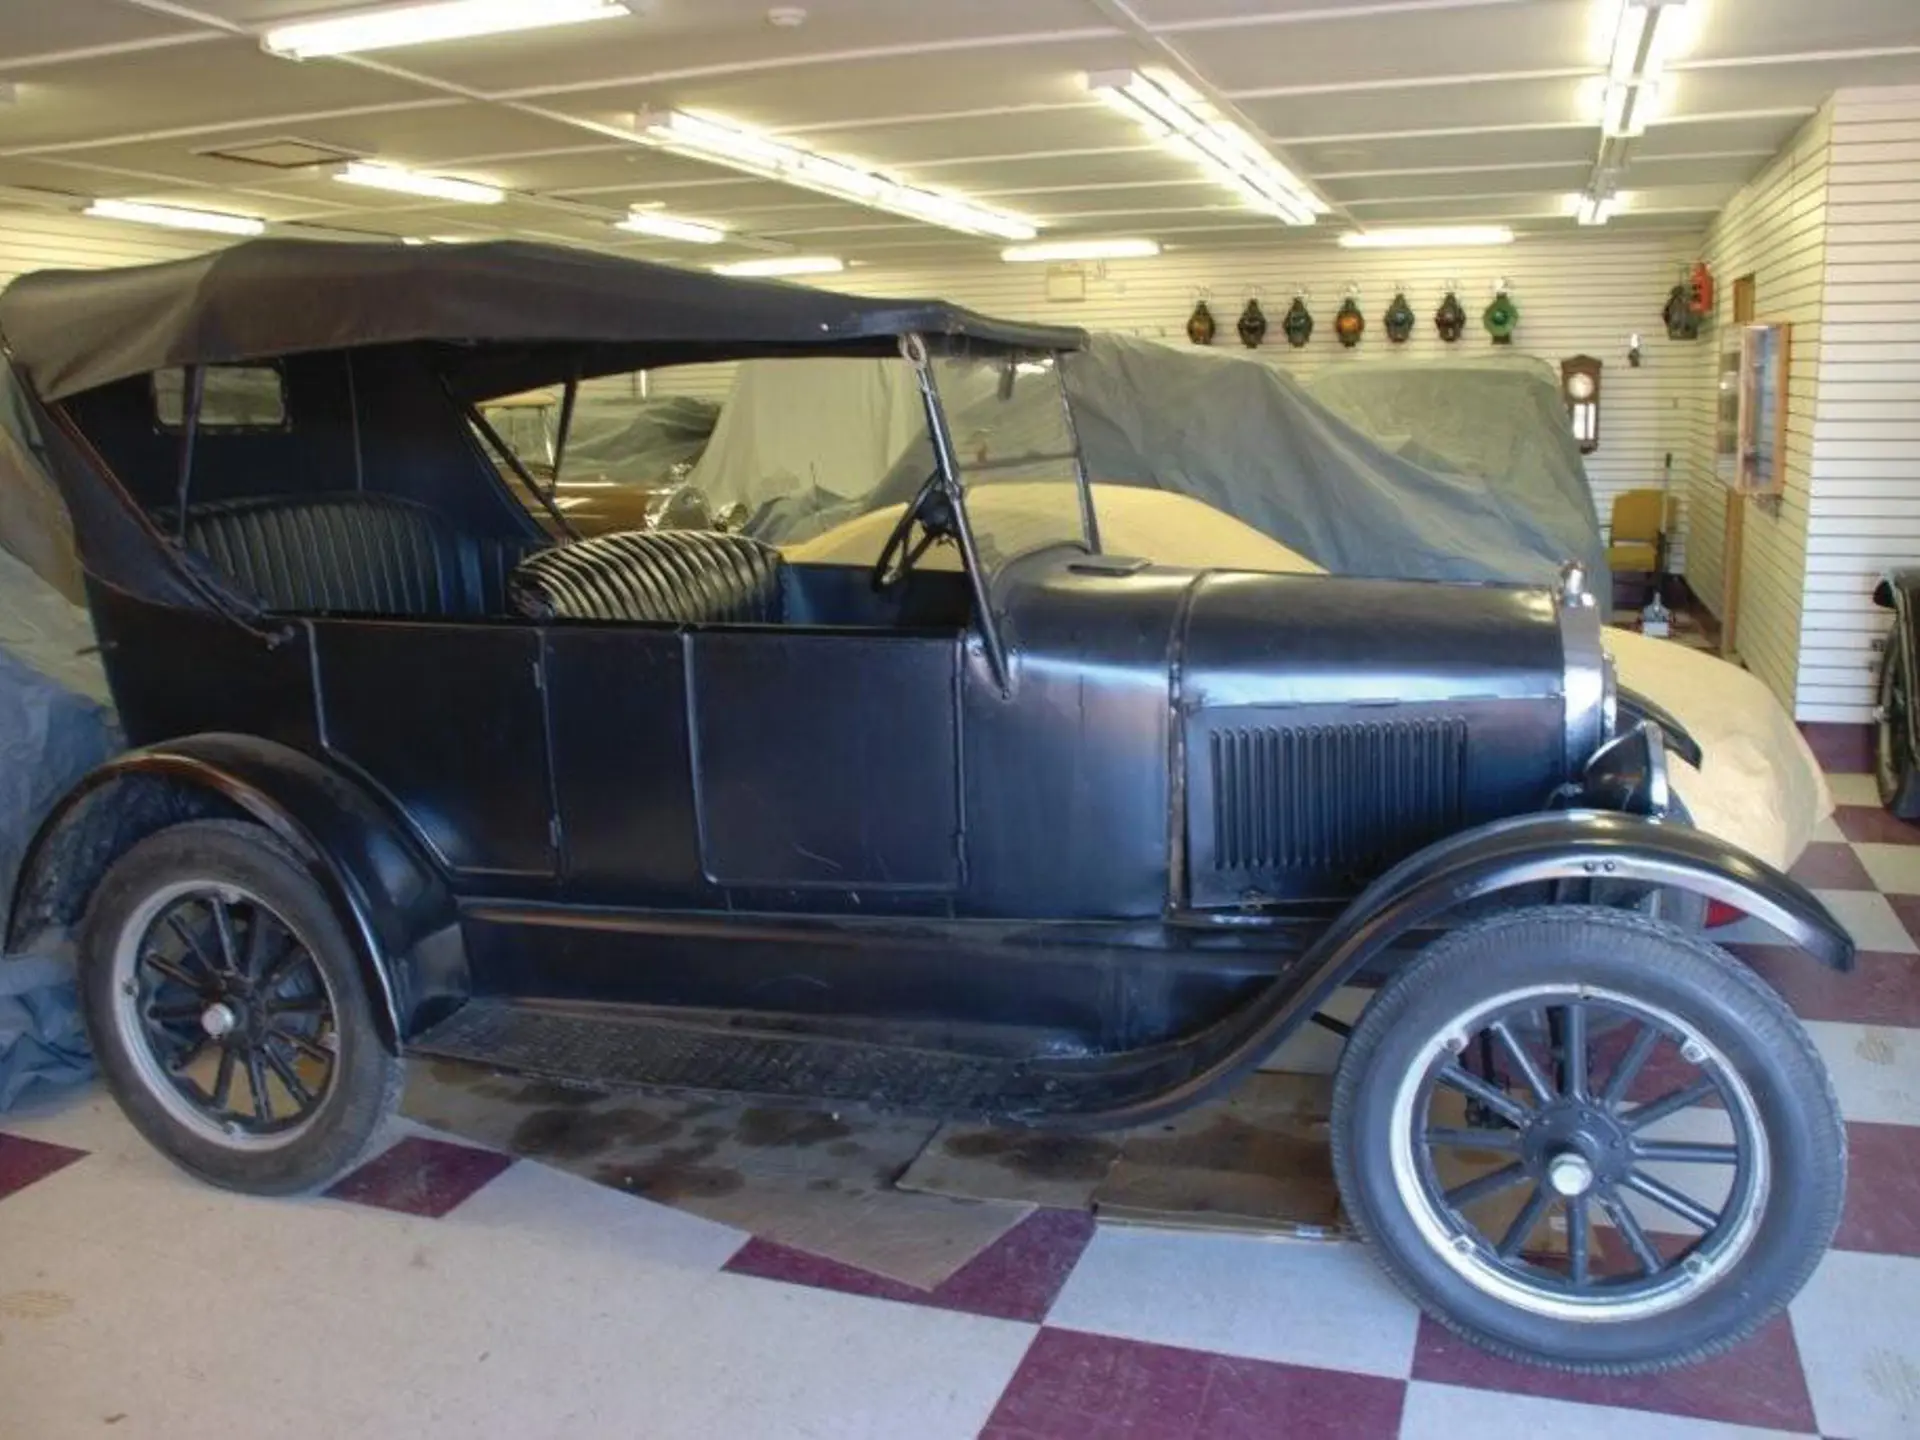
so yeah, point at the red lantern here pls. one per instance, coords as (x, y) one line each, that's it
(1700, 289)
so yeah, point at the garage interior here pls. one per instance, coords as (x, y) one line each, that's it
(1607, 188)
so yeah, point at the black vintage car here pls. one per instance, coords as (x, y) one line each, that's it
(1056, 837)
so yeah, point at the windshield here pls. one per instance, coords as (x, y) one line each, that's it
(818, 456)
(1014, 450)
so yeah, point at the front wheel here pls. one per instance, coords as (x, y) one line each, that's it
(226, 1009)
(1581, 1138)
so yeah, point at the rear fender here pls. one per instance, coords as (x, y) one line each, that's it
(393, 903)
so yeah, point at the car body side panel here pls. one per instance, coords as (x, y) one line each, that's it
(450, 721)
(1065, 772)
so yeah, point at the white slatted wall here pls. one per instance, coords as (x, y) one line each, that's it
(1865, 506)
(1576, 296)
(46, 239)
(1774, 230)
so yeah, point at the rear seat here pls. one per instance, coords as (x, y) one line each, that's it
(353, 553)
(690, 577)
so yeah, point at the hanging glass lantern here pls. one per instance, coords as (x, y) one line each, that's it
(1200, 325)
(1500, 317)
(1348, 323)
(1298, 323)
(1450, 320)
(1399, 318)
(1253, 325)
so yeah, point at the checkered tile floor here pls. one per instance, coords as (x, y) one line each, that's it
(444, 1289)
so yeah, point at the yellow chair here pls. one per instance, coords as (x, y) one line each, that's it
(1637, 537)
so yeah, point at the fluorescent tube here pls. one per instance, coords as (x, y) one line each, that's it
(777, 265)
(407, 182)
(669, 227)
(1081, 250)
(176, 218)
(398, 25)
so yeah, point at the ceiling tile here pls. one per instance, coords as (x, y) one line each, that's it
(1553, 145)
(223, 83)
(33, 29)
(1418, 108)
(1550, 179)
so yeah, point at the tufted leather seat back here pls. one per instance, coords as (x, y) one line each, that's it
(691, 577)
(354, 553)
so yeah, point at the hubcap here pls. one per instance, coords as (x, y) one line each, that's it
(1570, 1174)
(1579, 1154)
(225, 1014)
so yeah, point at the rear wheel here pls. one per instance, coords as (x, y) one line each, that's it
(226, 1009)
(1582, 1138)
(1893, 753)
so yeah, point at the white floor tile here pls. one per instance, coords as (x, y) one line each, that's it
(1448, 1412)
(1875, 1069)
(1895, 868)
(1299, 1301)
(1858, 1328)
(1854, 790)
(755, 1357)
(1829, 830)
(1870, 920)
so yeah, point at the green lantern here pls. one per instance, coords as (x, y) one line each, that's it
(1500, 317)
(1298, 323)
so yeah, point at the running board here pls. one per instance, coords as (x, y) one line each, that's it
(604, 1046)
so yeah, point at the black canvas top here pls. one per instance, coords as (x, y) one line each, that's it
(72, 330)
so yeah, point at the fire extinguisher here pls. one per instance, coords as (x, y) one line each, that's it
(1700, 289)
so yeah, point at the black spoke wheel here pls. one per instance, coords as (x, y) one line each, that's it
(1893, 754)
(226, 1011)
(1583, 1138)
(229, 1012)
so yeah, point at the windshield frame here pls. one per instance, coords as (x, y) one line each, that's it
(952, 476)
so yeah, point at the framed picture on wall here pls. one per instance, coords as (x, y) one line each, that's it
(1752, 452)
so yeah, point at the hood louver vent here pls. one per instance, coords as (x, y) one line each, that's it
(1334, 798)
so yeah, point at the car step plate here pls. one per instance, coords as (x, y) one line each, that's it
(615, 1050)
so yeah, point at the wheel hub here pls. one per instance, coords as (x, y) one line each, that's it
(219, 1020)
(1569, 1174)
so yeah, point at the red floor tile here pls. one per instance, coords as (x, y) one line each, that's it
(1830, 865)
(1841, 749)
(1869, 824)
(1093, 1387)
(1883, 1190)
(1881, 989)
(1015, 1278)
(1758, 1384)
(24, 1161)
(421, 1177)
(1907, 907)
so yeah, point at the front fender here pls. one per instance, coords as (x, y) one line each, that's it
(393, 902)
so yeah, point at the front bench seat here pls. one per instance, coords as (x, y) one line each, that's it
(353, 553)
(688, 577)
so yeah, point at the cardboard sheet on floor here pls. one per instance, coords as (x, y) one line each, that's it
(817, 1182)
(1254, 1160)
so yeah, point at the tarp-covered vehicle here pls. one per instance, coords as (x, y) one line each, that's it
(1056, 838)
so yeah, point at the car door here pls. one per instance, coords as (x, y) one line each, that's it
(755, 767)
(825, 761)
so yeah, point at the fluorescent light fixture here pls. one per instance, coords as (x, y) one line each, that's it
(738, 148)
(669, 227)
(1081, 250)
(407, 182)
(396, 25)
(176, 218)
(1428, 235)
(1179, 120)
(1643, 39)
(1595, 209)
(1627, 110)
(777, 265)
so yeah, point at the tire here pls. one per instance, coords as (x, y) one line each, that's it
(1893, 754)
(1627, 976)
(168, 965)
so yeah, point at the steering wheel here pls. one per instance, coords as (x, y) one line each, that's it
(931, 511)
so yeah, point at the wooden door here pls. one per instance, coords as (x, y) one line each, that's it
(1734, 545)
